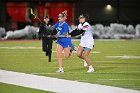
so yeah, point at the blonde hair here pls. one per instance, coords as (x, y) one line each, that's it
(64, 14)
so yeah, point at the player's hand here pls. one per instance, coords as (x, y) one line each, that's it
(54, 38)
(68, 36)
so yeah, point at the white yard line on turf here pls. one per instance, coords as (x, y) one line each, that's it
(20, 47)
(110, 39)
(124, 57)
(32, 47)
(57, 85)
(95, 52)
(119, 79)
(94, 73)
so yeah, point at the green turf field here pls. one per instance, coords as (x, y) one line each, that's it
(27, 57)
(7, 88)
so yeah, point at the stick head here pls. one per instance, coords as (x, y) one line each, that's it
(33, 13)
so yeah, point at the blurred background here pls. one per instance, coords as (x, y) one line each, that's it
(110, 19)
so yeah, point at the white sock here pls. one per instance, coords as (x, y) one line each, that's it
(90, 67)
(85, 63)
(61, 68)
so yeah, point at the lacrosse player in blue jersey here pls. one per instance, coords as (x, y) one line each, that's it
(64, 43)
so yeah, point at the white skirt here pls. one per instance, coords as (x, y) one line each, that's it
(87, 43)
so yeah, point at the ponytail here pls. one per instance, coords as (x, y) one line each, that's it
(64, 14)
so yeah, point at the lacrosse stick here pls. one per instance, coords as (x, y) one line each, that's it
(35, 16)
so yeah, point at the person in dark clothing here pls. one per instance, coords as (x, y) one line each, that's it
(46, 34)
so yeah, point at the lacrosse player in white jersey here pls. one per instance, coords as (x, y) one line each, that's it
(87, 41)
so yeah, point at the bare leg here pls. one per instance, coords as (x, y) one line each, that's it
(67, 52)
(85, 56)
(59, 55)
(80, 52)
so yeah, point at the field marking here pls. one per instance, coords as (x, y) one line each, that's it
(20, 47)
(32, 47)
(57, 85)
(19, 40)
(94, 73)
(111, 39)
(96, 52)
(120, 79)
(124, 57)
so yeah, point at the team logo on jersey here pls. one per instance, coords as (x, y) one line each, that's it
(59, 28)
(58, 33)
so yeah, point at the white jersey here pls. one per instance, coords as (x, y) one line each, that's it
(87, 37)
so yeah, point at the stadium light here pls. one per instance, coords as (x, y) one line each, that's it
(108, 7)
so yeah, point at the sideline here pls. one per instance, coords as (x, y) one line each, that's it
(57, 85)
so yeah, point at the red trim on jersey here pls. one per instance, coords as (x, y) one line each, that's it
(86, 26)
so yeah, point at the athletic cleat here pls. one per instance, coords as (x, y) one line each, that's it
(60, 71)
(91, 70)
(85, 64)
(73, 48)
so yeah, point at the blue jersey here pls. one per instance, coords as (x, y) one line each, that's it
(62, 30)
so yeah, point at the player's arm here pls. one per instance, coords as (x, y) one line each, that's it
(76, 32)
(53, 30)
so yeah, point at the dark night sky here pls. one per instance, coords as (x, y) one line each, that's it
(128, 10)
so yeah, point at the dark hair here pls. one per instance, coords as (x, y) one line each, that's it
(46, 17)
(84, 16)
